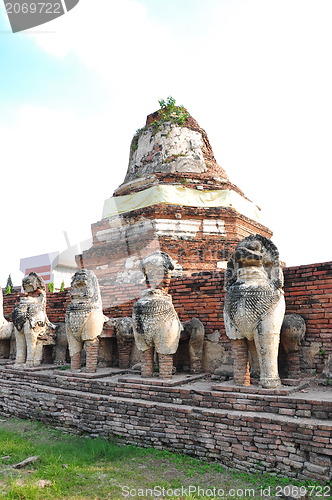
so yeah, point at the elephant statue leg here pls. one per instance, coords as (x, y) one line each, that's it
(267, 339)
(241, 362)
(21, 347)
(165, 366)
(75, 350)
(91, 347)
(267, 347)
(34, 347)
(147, 363)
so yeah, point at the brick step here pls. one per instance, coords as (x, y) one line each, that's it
(292, 446)
(307, 403)
(40, 392)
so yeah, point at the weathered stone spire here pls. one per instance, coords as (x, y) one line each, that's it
(174, 198)
(172, 149)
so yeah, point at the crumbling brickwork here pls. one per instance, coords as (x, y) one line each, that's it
(290, 436)
(196, 238)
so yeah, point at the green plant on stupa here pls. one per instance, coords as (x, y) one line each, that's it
(168, 112)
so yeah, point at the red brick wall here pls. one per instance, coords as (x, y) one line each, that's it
(56, 305)
(308, 291)
(258, 433)
(199, 296)
(197, 254)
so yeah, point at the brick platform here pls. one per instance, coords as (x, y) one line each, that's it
(254, 388)
(175, 381)
(289, 435)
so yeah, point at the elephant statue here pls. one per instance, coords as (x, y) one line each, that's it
(155, 322)
(124, 332)
(6, 331)
(193, 332)
(32, 326)
(84, 319)
(254, 307)
(6, 327)
(292, 333)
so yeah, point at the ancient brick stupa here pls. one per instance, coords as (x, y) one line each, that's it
(176, 198)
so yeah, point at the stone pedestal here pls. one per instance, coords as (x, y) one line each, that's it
(165, 366)
(195, 366)
(147, 363)
(241, 362)
(124, 351)
(75, 361)
(293, 364)
(92, 355)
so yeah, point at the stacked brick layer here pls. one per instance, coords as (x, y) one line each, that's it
(248, 432)
(200, 252)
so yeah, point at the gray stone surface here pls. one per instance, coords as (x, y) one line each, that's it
(170, 149)
(61, 345)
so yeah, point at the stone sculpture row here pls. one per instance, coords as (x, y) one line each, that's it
(253, 313)
(154, 325)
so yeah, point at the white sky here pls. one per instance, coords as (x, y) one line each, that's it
(256, 75)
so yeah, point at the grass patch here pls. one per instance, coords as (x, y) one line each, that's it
(78, 467)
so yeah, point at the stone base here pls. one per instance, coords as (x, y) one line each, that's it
(291, 381)
(38, 368)
(254, 388)
(179, 379)
(100, 373)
